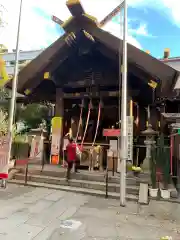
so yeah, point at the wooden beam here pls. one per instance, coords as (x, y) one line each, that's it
(98, 94)
(84, 79)
(79, 95)
(71, 25)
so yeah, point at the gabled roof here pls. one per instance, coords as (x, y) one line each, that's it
(109, 45)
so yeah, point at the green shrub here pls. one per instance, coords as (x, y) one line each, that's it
(20, 147)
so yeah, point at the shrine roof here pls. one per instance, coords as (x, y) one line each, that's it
(141, 63)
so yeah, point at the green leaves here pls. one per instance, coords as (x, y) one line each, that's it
(32, 115)
(3, 122)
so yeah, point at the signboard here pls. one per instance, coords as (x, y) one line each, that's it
(175, 125)
(4, 165)
(55, 145)
(56, 138)
(113, 145)
(130, 137)
(171, 115)
(110, 132)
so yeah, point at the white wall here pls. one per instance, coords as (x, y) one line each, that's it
(175, 65)
(25, 55)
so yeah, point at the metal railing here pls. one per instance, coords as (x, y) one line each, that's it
(26, 162)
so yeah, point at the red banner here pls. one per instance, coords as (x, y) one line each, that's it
(109, 132)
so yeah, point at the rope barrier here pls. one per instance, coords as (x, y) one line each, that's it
(97, 125)
(80, 121)
(87, 123)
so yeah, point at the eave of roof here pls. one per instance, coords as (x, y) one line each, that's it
(173, 59)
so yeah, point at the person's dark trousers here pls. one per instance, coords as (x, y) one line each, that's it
(69, 167)
(77, 164)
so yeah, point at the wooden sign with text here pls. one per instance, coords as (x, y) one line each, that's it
(110, 132)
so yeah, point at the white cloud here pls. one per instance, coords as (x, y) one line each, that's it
(37, 32)
(170, 8)
(117, 31)
(34, 34)
(97, 8)
(174, 7)
(142, 30)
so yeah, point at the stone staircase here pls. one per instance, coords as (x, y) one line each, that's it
(93, 183)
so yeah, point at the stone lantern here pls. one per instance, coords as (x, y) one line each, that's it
(150, 135)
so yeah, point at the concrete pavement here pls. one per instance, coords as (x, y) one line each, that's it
(45, 214)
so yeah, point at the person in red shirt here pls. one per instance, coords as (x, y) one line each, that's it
(71, 157)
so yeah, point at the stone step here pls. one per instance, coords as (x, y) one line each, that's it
(92, 192)
(89, 176)
(112, 187)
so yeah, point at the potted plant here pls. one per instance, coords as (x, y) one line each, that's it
(153, 190)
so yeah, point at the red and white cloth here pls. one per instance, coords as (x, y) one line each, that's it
(4, 165)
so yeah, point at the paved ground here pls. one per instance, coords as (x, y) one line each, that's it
(42, 214)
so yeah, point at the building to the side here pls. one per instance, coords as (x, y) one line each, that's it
(173, 62)
(24, 58)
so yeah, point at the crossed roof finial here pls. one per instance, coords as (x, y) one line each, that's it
(75, 7)
(77, 11)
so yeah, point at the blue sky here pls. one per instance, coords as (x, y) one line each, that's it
(162, 31)
(153, 24)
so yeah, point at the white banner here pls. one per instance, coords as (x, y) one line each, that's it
(130, 137)
(55, 145)
(37, 147)
(56, 135)
(66, 141)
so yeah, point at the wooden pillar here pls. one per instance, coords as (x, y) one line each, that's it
(142, 118)
(59, 107)
(130, 106)
(59, 112)
(131, 112)
(162, 119)
(154, 121)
